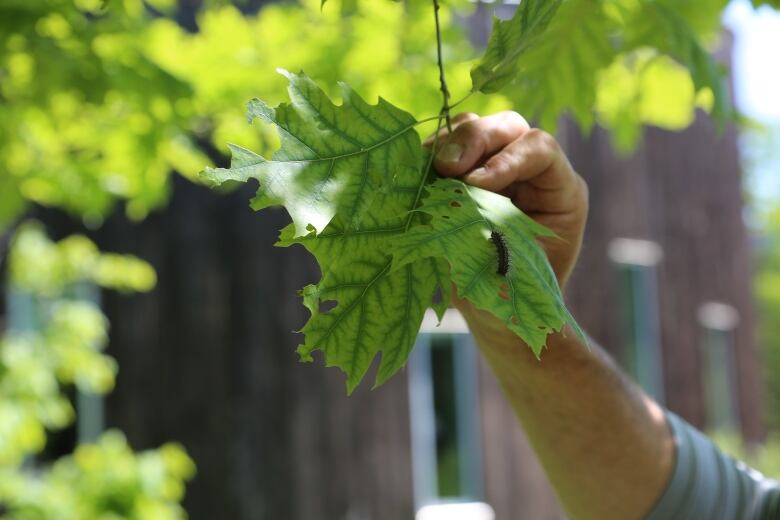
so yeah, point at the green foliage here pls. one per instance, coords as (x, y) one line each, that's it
(353, 179)
(245, 51)
(39, 266)
(509, 41)
(126, 98)
(102, 480)
(766, 285)
(761, 159)
(86, 117)
(528, 298)
(333, 159)
(558, 57)
(60, 345)
(349, 176)
(649, 88)
(764, 458)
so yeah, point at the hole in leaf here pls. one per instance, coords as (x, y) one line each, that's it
(455, 204)
(458, 191)
(445, 217)
(515, 321)
(541, 327)
(327, 305)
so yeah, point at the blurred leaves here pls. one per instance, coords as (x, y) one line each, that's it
(245, 51)
(766, 286)
(577, 56)
(100, 103)
(105, 480)
(764, 458)
(40, 266)
(86, 118)
(59, 337)
(55, 340)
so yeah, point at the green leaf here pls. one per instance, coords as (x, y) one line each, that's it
(559, 72)
(378, 309)
(356, 218)
(549, 58)
(644, 87)
(345, 209)
(508, 41)
(527, 299)
(333, 159)
(659, 26)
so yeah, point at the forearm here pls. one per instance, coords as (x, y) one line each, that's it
(604, 445)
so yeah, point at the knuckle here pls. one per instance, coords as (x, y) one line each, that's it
(546, 142)
(465, 116)
(472, 134)
(467, 130)
(514, 118)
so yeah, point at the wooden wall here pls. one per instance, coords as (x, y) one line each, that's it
(683, 191)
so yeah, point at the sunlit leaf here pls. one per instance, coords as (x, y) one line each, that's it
(509, 41)
(366, 303)
(333, 158)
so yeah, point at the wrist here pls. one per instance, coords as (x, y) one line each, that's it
(506, 352)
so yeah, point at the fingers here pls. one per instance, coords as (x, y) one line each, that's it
(455, 122)
(535, 157)
(473, 139)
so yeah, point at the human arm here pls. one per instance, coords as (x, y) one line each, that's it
(604, 445)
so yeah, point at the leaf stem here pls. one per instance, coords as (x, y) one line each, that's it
(461, 100)
(445, 92)
(426, 173)
(429, 119)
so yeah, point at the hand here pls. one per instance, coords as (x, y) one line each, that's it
(502, 153)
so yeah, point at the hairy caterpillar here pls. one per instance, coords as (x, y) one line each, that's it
(502, 251)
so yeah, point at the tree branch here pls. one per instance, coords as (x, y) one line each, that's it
(445, 92)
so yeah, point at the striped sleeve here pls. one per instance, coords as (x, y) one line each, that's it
(708, 484)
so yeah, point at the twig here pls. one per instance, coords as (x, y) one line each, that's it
(445, 92)
(461, 100)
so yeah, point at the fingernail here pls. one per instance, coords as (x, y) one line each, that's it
(477, 175)
(450, 152)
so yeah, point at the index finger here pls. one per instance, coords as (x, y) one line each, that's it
(472, 141)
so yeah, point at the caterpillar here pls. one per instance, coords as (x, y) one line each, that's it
(502, 252)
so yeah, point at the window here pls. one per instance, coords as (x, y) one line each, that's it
(443, 399)
(718, 321)
(636, 262)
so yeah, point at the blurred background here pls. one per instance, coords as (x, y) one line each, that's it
(144, 311)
